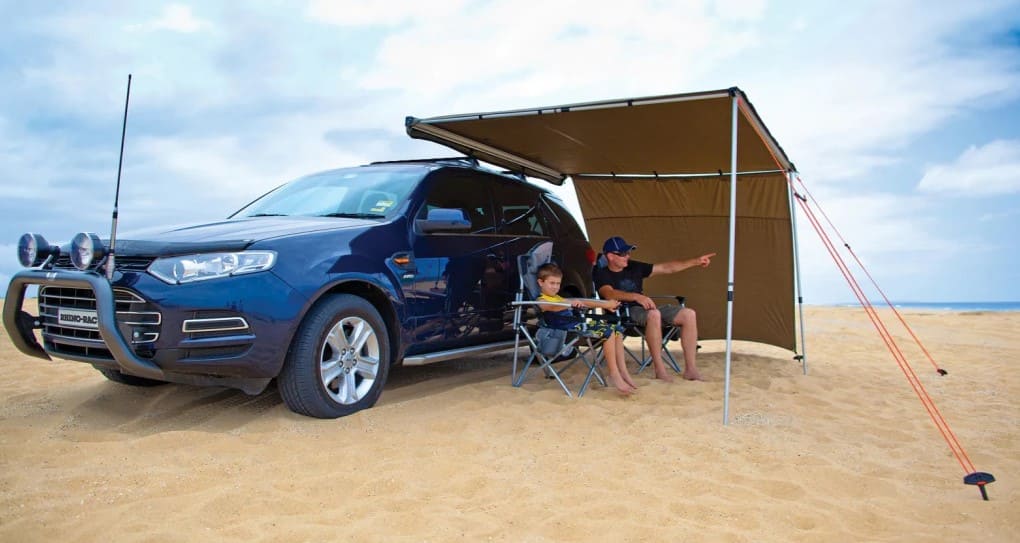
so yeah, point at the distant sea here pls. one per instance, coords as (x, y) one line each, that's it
(946, 306)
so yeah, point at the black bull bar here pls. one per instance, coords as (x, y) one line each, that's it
(19, 324)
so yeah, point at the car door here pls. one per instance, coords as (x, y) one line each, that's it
(461, 264)
(522, 224)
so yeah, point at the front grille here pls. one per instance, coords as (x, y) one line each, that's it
(124, 263)
(137, 319)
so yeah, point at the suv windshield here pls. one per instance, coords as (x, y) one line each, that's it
(354, 192)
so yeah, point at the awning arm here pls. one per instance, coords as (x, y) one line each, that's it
(417, 128)
(661, 176)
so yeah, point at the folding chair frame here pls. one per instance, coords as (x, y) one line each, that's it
(670, 332)
(592, 356)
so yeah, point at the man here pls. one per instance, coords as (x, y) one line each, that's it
(621, 279)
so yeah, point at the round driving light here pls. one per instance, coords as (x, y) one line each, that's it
(32, 250)
(86, 249)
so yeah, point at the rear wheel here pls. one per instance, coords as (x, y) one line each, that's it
(338, 361)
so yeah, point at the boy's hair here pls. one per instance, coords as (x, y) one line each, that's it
(548, 270)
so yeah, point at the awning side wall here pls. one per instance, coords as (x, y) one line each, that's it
(675, 219)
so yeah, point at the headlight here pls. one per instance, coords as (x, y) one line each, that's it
(33, 250)
(86, 249)
(189, 268)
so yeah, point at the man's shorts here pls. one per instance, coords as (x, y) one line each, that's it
(640, 317)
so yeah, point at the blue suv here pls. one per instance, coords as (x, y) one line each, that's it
(324, 283)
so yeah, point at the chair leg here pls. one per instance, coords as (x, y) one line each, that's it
(665, 348)
(556, 375)
(646, 360)
(593, 368)
(545, 366)
(517, 345)
(519, 377)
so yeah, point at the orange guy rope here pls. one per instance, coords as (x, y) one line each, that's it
(972, 477)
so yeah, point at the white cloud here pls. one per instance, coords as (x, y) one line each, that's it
(998, 217)
(228, 101)
(175, 18)
(216, 175)
(496, 53)
(350, 13)
(988, 170)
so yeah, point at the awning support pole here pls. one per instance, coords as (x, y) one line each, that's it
(796, 274)
(729, 280)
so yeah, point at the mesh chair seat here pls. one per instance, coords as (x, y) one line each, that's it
(670, 332)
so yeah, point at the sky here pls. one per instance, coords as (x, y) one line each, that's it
(902, 117)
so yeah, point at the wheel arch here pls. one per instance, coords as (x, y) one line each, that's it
(375, 295)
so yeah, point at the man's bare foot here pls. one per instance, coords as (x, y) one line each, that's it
(692, 375)
(664, 376)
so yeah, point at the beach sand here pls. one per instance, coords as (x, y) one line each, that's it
(452, 452)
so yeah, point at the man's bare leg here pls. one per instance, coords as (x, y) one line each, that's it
(688, 320)
(653, 336)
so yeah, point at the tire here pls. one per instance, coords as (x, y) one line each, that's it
(130, 380)
(325, 375)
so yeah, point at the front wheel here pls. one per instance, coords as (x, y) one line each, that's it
(338, 361)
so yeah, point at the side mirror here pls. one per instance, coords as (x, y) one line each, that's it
(444, 220)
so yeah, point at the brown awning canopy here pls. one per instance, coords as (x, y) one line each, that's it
(685, 134)
(656, 171)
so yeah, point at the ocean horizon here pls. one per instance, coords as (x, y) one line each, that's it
(942, 306)
(900, 304)
(939, 306)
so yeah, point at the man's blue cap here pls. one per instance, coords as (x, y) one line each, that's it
(616, 244)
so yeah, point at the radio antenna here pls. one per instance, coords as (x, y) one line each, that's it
(111, 264)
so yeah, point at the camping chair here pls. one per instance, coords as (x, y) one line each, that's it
(549, 345)
(670, 331)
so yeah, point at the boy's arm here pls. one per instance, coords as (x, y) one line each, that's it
(557, 305)
(611, 305)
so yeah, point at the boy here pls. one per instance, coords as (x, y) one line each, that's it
(549, 279)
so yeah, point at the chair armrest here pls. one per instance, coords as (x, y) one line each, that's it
(679, 299)
(532, 302)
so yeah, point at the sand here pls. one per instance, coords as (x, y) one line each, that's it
(452, 452)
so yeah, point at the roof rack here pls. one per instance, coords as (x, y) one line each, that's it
(458, 159)
(518, 174)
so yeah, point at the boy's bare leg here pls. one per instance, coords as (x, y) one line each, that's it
(687, 319)
(653, 336)
(611, 353)
(621, 361)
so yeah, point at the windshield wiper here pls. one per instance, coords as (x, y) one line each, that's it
(355, 215)
(268, 215)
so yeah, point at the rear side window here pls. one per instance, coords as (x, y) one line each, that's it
(520, 210)
(565, 221)
(466, 192)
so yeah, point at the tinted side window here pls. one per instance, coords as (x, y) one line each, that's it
(519, 208)
(567, 225)
(466, 192)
